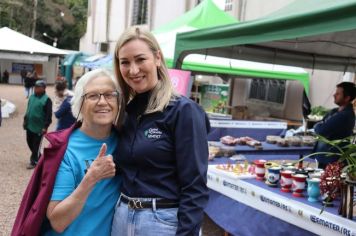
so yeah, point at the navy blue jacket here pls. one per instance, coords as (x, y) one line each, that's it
(165, 155)
(64, 114)
(335, 125)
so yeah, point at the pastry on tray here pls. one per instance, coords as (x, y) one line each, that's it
(228, 140)
(308, 140)
(253, 143)
(247, 140)
(282, 142)
(213, 152)
(294, 141)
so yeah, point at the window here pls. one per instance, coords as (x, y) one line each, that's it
(268, 90)
(228, 5)
(139, 14)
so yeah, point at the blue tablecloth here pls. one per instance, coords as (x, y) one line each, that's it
(239, 219)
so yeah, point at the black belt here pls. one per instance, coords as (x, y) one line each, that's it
(136, 203)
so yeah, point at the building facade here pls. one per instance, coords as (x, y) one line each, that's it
(108, 18)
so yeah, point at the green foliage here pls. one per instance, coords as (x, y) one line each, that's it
(319, 111)
(346, 151)
(16, 14)
(61, 19)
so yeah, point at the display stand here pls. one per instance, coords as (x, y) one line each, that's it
(347, 198)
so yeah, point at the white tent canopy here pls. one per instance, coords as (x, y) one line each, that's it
(13, 42)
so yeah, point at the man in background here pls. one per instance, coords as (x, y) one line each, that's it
(37, 119)
(338, 123)
(5, 77)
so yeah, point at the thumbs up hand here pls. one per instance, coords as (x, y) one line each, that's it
(103, 166)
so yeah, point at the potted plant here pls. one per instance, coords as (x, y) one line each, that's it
(345, 150)
(330, 183)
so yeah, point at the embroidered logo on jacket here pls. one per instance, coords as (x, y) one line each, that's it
(153, 133)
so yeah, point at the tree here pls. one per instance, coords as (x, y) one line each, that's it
(64, 20)
(15, 15)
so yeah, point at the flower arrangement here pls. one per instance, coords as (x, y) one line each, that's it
(330, 181)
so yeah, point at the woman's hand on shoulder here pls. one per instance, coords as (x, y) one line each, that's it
(102, 167)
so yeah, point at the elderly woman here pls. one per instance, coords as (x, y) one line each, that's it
(78, 184)
(162, 149)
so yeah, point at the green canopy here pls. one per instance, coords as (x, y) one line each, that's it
(318, 34)
(205, 15)
(67, 66)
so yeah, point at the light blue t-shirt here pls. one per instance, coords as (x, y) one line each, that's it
(98, 211)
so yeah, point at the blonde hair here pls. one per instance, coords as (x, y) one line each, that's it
(77, 99)
(163, 92)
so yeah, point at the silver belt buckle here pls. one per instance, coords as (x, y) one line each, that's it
(135, 204)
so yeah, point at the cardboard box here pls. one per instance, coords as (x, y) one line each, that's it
(239, 112)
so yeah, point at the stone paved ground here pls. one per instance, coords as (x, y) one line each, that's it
(14, 156)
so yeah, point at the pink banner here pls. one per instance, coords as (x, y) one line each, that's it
(180, 80)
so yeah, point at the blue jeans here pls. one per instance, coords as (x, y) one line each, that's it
(144, 222)
(28, 91)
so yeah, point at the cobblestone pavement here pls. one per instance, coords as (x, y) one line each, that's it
(14, 156)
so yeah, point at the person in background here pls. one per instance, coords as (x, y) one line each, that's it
(162, 151)
(5, 77)
(0, 113)
(81, 189)
(37, 119)
(34, 75)
(23, 74)
(61, 106)
(29, 83)
(338, 123)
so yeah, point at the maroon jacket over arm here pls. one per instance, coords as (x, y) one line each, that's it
(35, 200)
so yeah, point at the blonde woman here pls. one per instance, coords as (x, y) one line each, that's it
(162, 149)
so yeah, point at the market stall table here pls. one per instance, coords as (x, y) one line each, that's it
(239, 128)
(250, 207)
(252, 157)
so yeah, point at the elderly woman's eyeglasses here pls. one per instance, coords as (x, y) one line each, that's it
(95, 97)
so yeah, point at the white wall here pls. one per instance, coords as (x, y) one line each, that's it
(117, 22)
(49, 69)
(254, 9)
(322, 87)
(166, 11)
(292, 108)
(100, 22)
(86, 42)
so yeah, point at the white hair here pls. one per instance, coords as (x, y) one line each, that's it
(77, 99)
